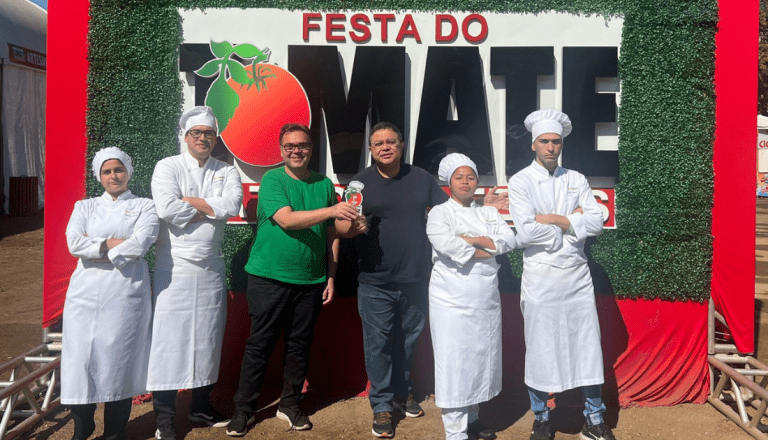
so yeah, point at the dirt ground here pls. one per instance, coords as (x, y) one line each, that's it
(21, 280)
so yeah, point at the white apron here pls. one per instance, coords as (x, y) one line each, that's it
(108, 309)
(464, 304)
(190, 305)
(562, 332)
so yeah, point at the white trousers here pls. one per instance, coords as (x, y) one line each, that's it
(455, 421)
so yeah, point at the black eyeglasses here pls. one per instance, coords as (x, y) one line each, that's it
(210, 134)
(304, 146)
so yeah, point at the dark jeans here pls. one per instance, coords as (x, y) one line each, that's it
(116, 415)
(276, 307)
(393, 317)
(164, 403)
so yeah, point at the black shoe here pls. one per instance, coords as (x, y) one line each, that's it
(238, 426)
(166, 431)
(295, 418)
(596, 432)
(382, 425)
(408, 406)
(478, 430)
(541, 430)
(209, 416)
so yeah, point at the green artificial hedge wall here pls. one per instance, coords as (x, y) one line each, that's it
(662, 247)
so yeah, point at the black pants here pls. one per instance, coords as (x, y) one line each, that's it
(116, 415)
(276, 307)
(164, 403)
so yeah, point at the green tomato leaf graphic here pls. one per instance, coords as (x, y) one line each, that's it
(238, 73)
(209, 69)
(221, 50)
(223, 100)
(250, 51)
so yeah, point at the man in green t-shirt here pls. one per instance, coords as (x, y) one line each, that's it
(290, 275)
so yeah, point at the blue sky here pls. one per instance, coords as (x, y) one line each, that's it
(43, 3)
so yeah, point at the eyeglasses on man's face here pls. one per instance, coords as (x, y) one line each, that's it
(303, 147)
(391, 142)
(210, 134)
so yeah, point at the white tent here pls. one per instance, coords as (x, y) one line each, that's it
(23, 30)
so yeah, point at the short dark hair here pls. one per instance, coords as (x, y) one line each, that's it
(291, 127)
(385, 126)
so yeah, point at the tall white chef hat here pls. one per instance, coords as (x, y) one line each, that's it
(200, 115)
(109, 153)
(548, 121)
(451, 162)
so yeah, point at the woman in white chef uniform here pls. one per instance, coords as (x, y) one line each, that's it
(108, 310)
(464, 304)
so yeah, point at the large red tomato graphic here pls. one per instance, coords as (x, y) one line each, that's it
(253, 133)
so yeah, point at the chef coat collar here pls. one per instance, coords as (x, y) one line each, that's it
(459, 205)
(540, 169)
(124, 196)
(192, 162)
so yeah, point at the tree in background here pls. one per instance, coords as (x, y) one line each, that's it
(762, 79)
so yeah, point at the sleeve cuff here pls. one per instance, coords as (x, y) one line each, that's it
(577, 228)
(502, 245)
(117, 260)
(218, 213)
(469, 252)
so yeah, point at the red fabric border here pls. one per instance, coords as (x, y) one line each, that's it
(733, 214)
(664, 360)
(65, 143)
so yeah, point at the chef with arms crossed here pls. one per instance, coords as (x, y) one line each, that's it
(194, 194)
(464, 303)
(554, 212)
(108, 310)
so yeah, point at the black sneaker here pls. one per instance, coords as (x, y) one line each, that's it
(238, 426)
(409, 407)
(382, 425)
(209, 416)
(596, 432)
(295, 418)
(478, 430)
(166, 431)
(541, 430)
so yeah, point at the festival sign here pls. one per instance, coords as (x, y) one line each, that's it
(687, 137)
(458, 82)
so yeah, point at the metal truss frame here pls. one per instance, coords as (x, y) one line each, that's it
(736, 379)
(31, 392)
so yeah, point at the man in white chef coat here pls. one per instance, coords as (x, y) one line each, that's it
(194, 195)
(554, 212)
